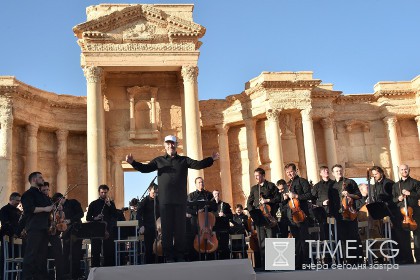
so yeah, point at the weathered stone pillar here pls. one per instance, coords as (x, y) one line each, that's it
(62, 160)
(300, 147)
(251, 143)
(119, 184)
(192, 121)
(31, 162)
(275, 149)
(6, 131)
(394, 146)
(225, 174)
(418, 125)
(310, 147)
(95, 132)
(327, 124)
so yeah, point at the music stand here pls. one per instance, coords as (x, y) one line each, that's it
(320, 214)
(90, 230)
(378, 210)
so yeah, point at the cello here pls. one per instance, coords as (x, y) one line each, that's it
(157, 244)
(206, 240)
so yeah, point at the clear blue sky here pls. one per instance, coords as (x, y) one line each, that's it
(352, 44)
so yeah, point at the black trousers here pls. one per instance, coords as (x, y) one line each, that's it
(56, 253)
(149, 238)
(301, 234)
(35, 259)
(263, 233)
(173, 222)
(108, 252)
(349, 230)
(402, 237)
(76, 255)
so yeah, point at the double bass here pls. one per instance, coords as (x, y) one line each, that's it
(206, 240)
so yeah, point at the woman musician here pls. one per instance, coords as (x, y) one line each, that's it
(103, 210)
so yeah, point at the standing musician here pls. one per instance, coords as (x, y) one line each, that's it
(408, 188)
(299, 189)
(382, 189)
(280, 203)
(37, 208)
(103, 210)
(146, 216)
(262, 193)
(347, 228)
(223, 214)
(200, 194)
(56, 248)
(322, 193)
(73, 213)
(172, 177)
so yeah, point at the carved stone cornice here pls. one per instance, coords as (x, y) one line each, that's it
(350, 125)
(391, 121)
(222, 129)
(93, 74)
(189, 73)
(395, 92)
(142, 92)
(327, 122)
(273, 115)
(138, 47)
(32, 130)
(62, 135)
(356, 98)
(8, 90)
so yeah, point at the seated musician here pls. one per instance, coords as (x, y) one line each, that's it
(239, 221)
(103, 210)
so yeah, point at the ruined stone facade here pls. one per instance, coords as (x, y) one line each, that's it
(140, 63)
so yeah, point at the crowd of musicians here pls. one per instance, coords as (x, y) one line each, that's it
(181, 227)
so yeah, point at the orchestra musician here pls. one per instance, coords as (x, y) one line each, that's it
(322, 193)
(300, 190)
(172, 177)
(103, 210)
(147, 211)
(262, 193)
(239, 221)
(223, 214)
(56, 248)
(37, 208)
(347, 228)
(408, 188)
(280, 204)
(73, 213)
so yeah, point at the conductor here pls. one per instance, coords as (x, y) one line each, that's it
(172, 177)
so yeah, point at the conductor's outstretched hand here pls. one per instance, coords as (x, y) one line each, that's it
(129, 158)
(215, 156)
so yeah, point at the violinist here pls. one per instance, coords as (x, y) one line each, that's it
(55, 251)
(103, 210)
(280, 203)
(345, 188)
(223, 214)
(409, 189)
(300, 190)
(260, 194)
(321, 193)
(37, 208)
(73, 213)
(146, 214)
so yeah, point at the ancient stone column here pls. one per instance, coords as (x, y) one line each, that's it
(225, 174)
(95, 132)
(275, 149)
(119, 184)
(62, 160)
(192, 121)
(251, 143)
(418, 125)
(301, 147)
(6, 131)
(327, 124)
(310, 147)
(31, 162)
(394, 146)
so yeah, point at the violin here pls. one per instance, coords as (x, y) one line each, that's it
(60, 220)
(266, 211)
(408, 222)
(157, 244)
(206, 241)
(347, 206)
(298, 215)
